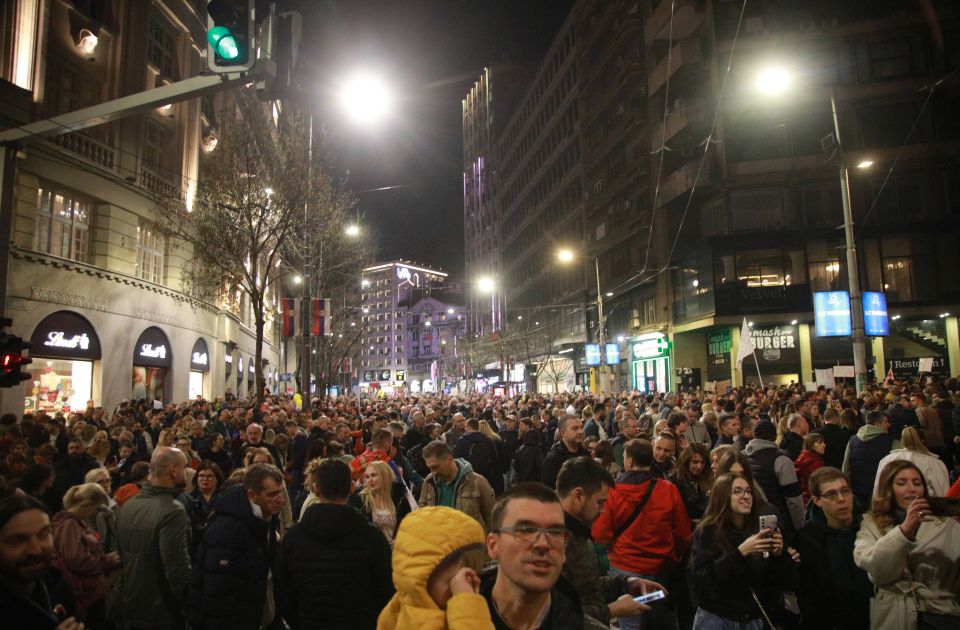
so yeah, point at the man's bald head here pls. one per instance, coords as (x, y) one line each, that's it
(167, 465)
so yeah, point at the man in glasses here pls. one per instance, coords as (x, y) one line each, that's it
(834, 592)
(528, 540)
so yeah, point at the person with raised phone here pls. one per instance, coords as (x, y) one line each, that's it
(739, 569)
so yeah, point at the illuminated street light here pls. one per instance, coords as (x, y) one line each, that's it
(486, 284)
(774, 81)
(365, 98)
(352, 230)
(565, 255)
(449, 311)
(364, 283)
(865, 164)
(297, 279)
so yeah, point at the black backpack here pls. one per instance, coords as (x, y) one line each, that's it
(482, 457)
(415, 457)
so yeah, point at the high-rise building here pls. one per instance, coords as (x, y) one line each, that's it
(92, 283)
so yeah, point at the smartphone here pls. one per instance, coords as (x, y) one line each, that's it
(649, 597)
(944, 506)
(768, 521)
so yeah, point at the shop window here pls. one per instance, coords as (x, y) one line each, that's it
(58, 385)
(151, 254)
(897, 279)
(756, 210)
(62, 224)
(825, 276)
(761, 268)
(161, 45)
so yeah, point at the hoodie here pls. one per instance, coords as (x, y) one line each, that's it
(468, 492)
(424, 540)
(335, 566)
(862, 459)
(774, 472)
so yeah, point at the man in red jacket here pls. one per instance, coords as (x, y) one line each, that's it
(649, 542)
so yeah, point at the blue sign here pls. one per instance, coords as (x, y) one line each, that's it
(611, 354)
(591, 353)
(875, 322)
(832, 313)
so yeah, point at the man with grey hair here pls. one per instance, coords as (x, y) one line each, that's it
(153, 536)
(415, 435)
(569, 445)
(455, 432)
(232, 585)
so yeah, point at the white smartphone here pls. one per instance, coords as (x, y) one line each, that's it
(649, 597)
(769, 521)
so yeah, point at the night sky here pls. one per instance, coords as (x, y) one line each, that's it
(431, 51)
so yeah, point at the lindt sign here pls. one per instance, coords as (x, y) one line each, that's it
(57, 339)
(148, 351)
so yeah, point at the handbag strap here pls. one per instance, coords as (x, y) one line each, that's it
(762, 611)
(643, 502)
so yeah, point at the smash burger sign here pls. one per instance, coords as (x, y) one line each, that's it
(776, 343)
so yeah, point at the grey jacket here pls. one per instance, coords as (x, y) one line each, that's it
(153, 536)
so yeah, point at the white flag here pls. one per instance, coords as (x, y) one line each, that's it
(746, 344)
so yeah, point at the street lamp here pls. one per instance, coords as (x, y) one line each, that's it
(352, 230)
(777, 80)
(365, 98)
(486, 284)
(566, 256)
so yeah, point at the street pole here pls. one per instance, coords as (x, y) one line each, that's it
(853, 275)
(306, 310)
(600, 368)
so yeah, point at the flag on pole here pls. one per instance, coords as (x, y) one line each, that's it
(320, 318)
(290, 316)
(889, 380)
(746, 344)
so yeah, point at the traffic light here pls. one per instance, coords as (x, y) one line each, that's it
(11, 357)
(231, 35)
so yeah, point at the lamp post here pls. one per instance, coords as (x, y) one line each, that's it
(775, 81)
(566, 256)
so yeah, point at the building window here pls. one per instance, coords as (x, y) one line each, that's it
(154, 138)
(63, 224)
(898, 279)
(161, 45)
(649, 310)
(890, 59)
(68, 90)
(151, 249)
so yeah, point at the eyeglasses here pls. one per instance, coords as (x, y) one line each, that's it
(206, 476)
(833, 495)
(739, 492)
(556, 536)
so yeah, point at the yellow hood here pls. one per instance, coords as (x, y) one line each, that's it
(425, 538)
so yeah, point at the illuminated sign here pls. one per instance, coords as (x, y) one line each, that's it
(385, 375)
(149, 352)
(591, 353)
(875, 321)
(832, 313)
(199, 358)
(401, 375)
(650, 346)
(611, 354)
(57, 339)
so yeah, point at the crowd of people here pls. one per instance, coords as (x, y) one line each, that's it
(761, 507)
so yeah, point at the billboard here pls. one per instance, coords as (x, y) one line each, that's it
(875, 322)
(832, 313)
(591, 354)
(611, 354)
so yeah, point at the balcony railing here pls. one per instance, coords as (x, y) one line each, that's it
(683, 114)
(687, 17)
(88, 149)
(158, 184)
(684, 54)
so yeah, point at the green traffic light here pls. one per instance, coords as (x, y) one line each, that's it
(223, 42)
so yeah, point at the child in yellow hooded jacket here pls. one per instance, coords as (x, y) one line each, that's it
(437, 555)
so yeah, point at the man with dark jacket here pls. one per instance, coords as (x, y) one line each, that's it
(416, 434)
(583, 485)
(230, 586)
(153, 535)
(792, 441)
(872, 443)
(254, 439)
(527, 589)
(834, 592)
(775, 473)
(71, 471)
(481, 452)
(901, 416)
(334, 566)
(835, 437)
(570, 445)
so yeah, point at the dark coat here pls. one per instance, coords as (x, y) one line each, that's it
(37, 612)
(333, 571)
(836, 438)
(70, 472)
(566, 610)
(555, 459)
(900, 418)
(229, 584)
(582, 569)
(792, 445)
(528, 463)
(834, 592)
(721, 577)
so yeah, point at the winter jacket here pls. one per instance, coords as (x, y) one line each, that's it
(555, 458)
(864, 452)
(657, 538)
(721, 577)
(67, 473)
(932, 427)
(836, 438)
(229, 584)
(565, 612)
(427, 537)
(806, 464)
(153, 536)
(472, 494)
(694, 499)
(582, 569)
(774, 473)
(528, 463)
(792, 445)
(899, 567)
(834, 592)
(490, 472)
(900, 418)
(698, 433)
(934, 471)
(37, 611)
(80, 557)
(333, 571)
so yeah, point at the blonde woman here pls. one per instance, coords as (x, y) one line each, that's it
(100, 448)
(382, 500)
(166, 437)
(915, 451)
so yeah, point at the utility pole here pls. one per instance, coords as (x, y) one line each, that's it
(602, 386)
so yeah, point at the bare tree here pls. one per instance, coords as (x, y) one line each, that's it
(255, 199)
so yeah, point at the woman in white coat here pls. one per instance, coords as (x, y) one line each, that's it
(912, 557)
(915, 451)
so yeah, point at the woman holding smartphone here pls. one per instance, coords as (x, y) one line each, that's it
(911, 555)
(738, 571)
